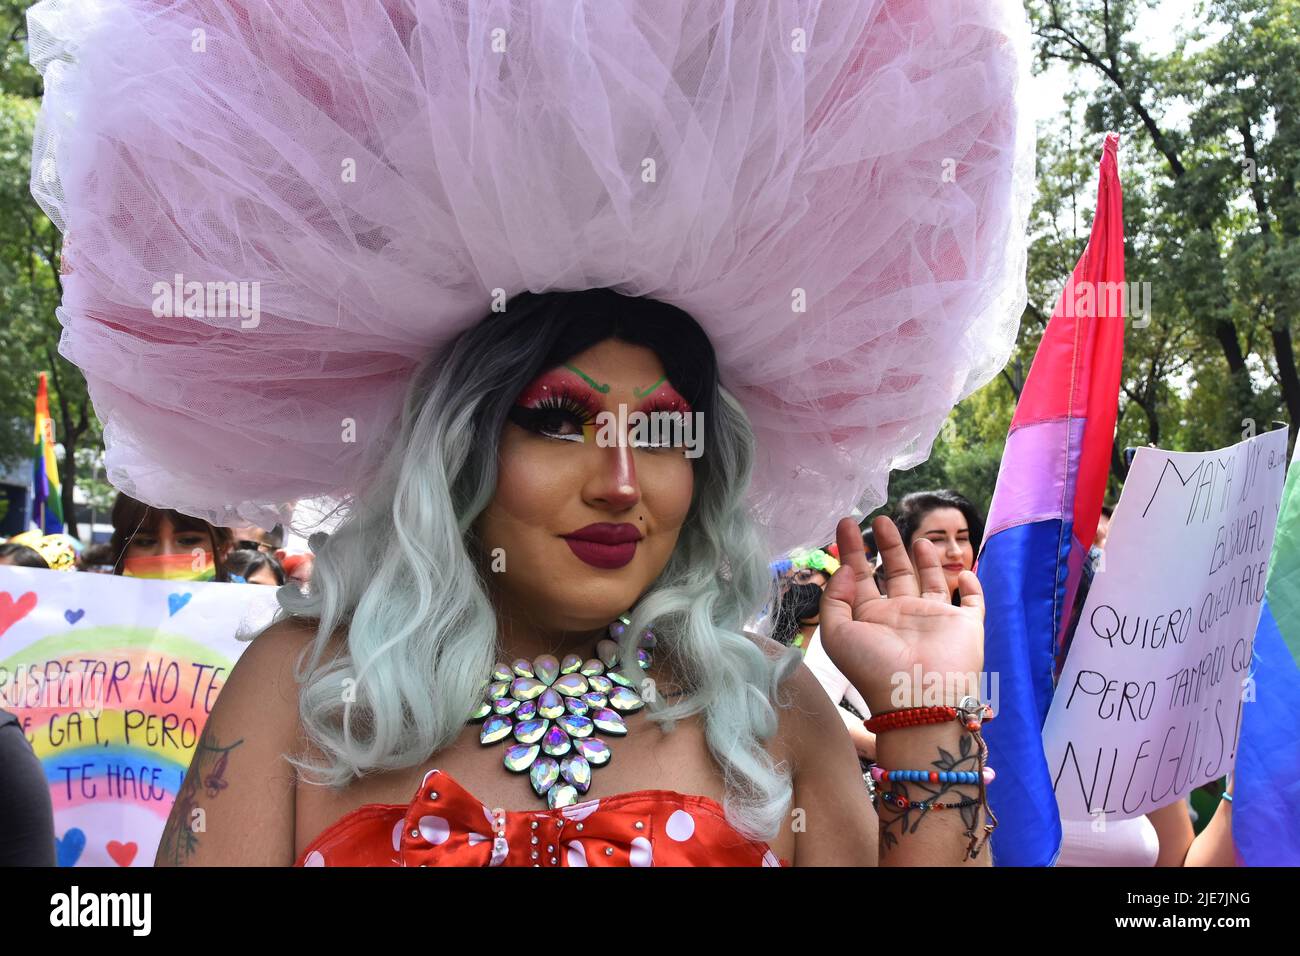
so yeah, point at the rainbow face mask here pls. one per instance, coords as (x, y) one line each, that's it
(171, 567)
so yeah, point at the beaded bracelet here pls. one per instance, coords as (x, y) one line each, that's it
(932, 776)
(922, 716)
(903, 803)
(971, 714)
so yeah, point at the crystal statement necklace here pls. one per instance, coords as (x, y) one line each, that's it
(549, 712)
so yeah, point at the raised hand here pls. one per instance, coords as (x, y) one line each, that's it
(878, 640)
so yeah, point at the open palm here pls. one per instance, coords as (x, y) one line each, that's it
(877, 641)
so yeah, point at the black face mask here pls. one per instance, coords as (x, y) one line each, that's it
(800, 602)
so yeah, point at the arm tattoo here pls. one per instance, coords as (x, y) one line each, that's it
(206, 779)
(908, 804)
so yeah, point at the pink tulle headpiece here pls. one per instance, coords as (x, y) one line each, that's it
(837, 192)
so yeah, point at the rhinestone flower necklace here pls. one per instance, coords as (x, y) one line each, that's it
(550, 711)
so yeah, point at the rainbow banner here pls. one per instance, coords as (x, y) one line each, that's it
(112, 680)
(47, 493)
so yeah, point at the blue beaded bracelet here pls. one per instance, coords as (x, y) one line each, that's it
(969, 777)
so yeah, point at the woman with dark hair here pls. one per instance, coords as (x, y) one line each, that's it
(950, 522)
(249, 566)
(593, 323)
(801, 578)
(22, 556)
(96, 558)
(163, 543)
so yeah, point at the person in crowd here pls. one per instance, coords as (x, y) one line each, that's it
(539, 492)
(26, 810)
(801, 578)
(163, 543)
(245, 566)
(1163, 837)
(1103, 527)
(950, 522)
(869, 545)
(469, 351)
(59, 550)
(21, 556)
(96, 558)
(805, 576)
(251, 537)
(297, 567)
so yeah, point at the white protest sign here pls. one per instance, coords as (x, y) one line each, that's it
(1148, 706)
(112, 679)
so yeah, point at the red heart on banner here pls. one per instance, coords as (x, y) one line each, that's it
(11, 611)
(122, 853)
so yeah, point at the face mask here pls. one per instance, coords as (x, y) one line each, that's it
(171, 567)
(801, 601)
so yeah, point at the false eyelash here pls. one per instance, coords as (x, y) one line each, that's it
(564, 402)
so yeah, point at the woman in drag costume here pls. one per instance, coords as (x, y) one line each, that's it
(586, 310)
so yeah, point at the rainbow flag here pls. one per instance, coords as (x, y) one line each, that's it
(1042, 520)
(1266, 788)
(47, 493)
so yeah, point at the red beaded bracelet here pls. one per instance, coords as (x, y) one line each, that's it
(920, 717)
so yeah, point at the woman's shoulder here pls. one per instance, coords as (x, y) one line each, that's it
(804, 711)
(239, 776)
(281, 644)
(814, 742)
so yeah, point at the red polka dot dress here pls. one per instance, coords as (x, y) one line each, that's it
(445, 825)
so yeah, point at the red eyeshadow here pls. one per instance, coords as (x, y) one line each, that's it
(552, 385)
(665, 398)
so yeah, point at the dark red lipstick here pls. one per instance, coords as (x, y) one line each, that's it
(605, 545)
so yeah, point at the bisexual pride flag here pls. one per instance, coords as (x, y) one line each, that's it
(1042, 520)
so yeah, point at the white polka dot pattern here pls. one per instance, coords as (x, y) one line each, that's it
(435, 830)
(642, 854)
(680, 826)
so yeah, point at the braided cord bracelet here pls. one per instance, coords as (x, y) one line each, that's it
(902, 803)
(923, 716)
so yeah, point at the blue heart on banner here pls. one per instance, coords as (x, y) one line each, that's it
(72, 617)
(177, 601)
(68, 850)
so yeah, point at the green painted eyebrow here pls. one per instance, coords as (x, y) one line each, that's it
(642, 394)
(603, 389)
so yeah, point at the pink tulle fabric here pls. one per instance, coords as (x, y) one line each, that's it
(837, 191)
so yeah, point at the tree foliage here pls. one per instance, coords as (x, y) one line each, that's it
(1209, 153)
(30, 289)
